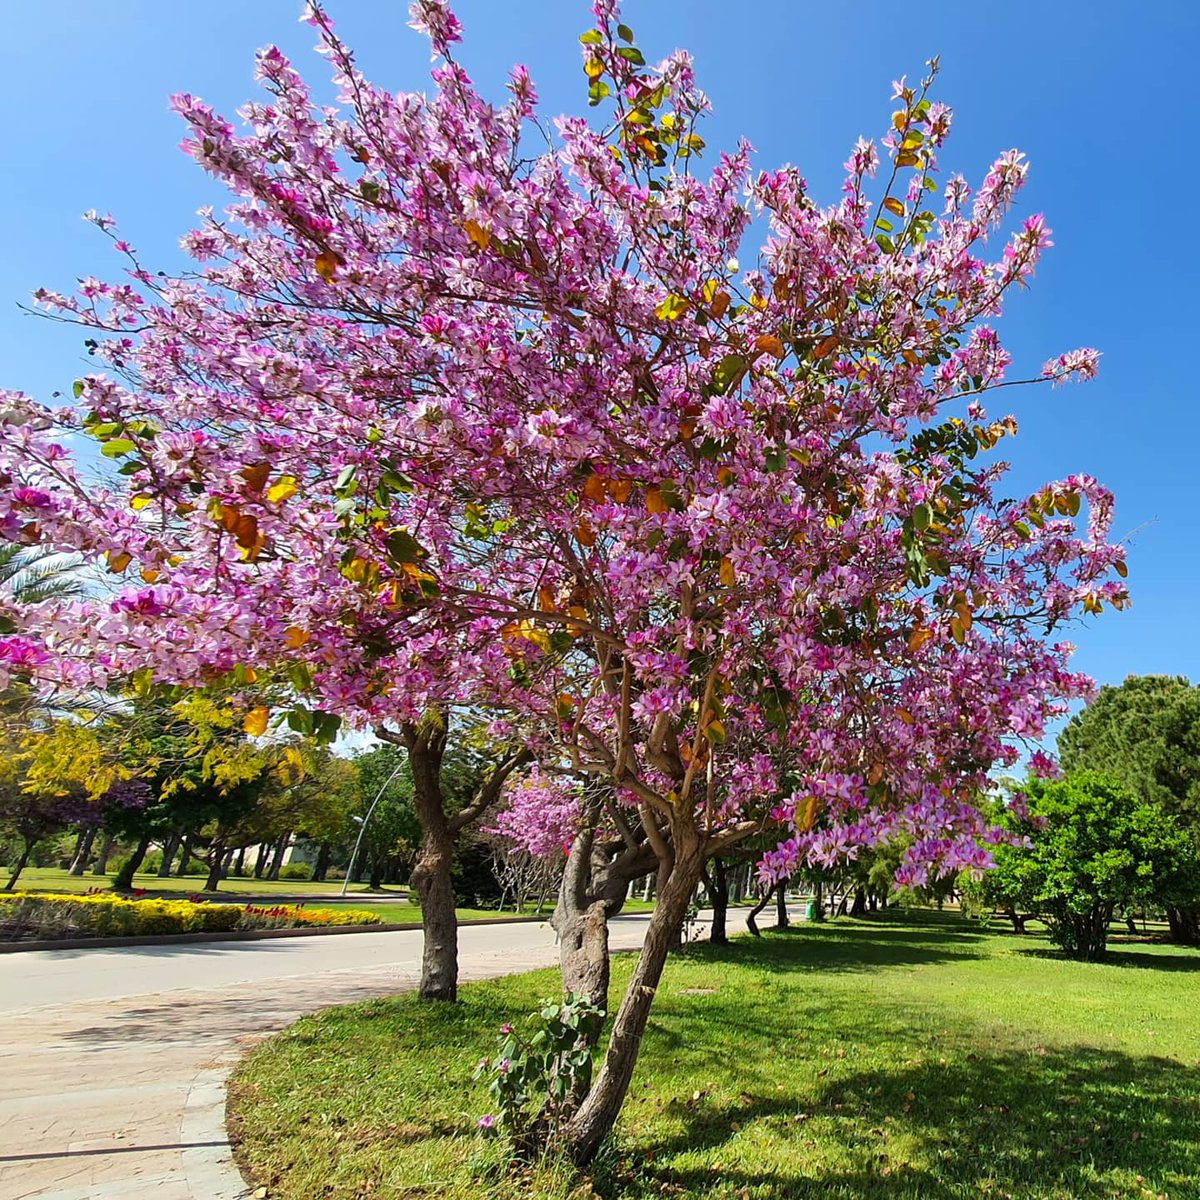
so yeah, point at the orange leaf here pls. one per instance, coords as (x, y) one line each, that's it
(806, 814)
(118, 562)
(327, 265)
(585, 535)
(245, 531)
(827, 346)
(905, 715)
(719, 304)
(296, 637)
(256, 475)
(919, 637)
(476, 232)
(620, 489)
(255, 721)
(595, 488)
(770, 343)
(894, 206)
(727, 573)
(654, 500)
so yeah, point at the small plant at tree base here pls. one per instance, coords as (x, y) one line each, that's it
(536, 1080)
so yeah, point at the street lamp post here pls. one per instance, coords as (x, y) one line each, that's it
(362, 826)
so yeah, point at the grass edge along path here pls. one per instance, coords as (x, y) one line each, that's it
(901, 1059)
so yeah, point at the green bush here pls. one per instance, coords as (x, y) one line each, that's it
(26, 916)
(295, 871)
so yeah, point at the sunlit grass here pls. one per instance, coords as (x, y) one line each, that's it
(863, 1059)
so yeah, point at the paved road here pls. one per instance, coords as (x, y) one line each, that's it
(113, 1061)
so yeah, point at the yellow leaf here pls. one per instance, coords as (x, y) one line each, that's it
(904, 715)
(727, 573)
(758, 302)
(715, 732)
(894, 206)
(118, 562)
(806, 814)
(255, 721)
(150, 574)
(282, 489)
(593, 68)
(327, 265)
(476, 232)
(296, 637)
(671, 308)
(654, 500)
(771, 344)
(250, 675)
(137, 503)
(709, 291)
(957, 630)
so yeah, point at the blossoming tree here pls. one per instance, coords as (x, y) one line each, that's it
(460, 410)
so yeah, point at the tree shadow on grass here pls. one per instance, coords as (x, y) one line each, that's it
(864, 945)
(1077, 1122)
(1119, 956)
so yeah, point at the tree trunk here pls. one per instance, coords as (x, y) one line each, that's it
(170, 846)
(277, 857)
(752, 915)
(84, 852)
(226, 864)
(185, 857)
(240, 866)
(106, 848)
(321, 866)
(22, 862)
(716, 881)
(376, 880)
(596, 1116)
(426, 744)
(123, 881)
(260, 863)
(860, 903)
(1185, 925)
(781, 912)
(216, 852)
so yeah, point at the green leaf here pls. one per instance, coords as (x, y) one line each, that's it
(922, 517)
(728, 371)
(77, 388)
(593, 37)
(625, 33)
(631, 54)
(117, 447)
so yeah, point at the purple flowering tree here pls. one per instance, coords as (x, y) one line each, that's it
(449, 414)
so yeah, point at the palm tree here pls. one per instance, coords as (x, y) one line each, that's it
(29, 574)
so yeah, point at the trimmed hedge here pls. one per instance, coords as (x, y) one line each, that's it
(28, 916)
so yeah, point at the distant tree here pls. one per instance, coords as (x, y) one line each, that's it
(1094, 848)
(1146, 735)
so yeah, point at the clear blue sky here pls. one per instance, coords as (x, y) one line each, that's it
(1095, 92)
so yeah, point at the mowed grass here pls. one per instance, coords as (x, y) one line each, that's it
(923, 1060)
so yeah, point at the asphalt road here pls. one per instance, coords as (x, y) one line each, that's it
(113, 1061)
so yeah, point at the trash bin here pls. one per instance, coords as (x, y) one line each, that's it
(810, 911)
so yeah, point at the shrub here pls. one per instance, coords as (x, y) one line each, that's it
(26, 916)
(295, 871)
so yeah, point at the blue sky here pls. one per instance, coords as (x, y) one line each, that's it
(1094, 92)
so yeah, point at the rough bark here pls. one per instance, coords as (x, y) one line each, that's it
(321, 866)
(170, 846)
(597, 1114)
(185, 857)
(716, 882)
(100, 867)
(277, 857)
(752, 915)
(123, 880)
(83, 852)
(260, 862)
(781, 912)
(1185, 925)
(22, 862)
(216, 856)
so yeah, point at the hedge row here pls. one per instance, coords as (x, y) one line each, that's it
(27, 916)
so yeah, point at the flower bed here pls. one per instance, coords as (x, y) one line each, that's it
(26, 916)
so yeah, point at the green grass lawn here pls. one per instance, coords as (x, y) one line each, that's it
(916, 1059)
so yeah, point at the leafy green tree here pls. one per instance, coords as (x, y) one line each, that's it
(1094, 847)
(1146, 735)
